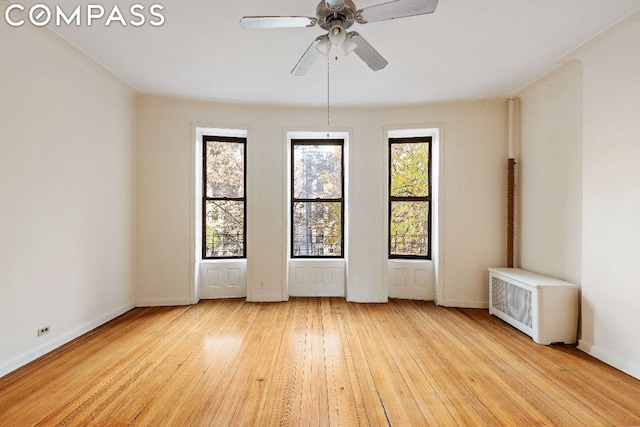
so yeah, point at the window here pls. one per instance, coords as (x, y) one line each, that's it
(410, 197)
(223, 201)
(317, 208)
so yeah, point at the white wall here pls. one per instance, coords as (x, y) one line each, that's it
(611, 229)
(550, 175)
(67, 136)
(473, 198)
(607, 84)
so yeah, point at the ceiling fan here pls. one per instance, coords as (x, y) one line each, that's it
(336, 16)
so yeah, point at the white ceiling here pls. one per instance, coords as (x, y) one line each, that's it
(466, 49)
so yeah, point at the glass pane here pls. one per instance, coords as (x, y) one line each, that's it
(317, 171)
(317, 229)
(409, 226)
(409, 169)
(224, 228)
(225, 169)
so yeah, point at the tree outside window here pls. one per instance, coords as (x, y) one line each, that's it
(410, 197)
(224, 201)
(317, 210)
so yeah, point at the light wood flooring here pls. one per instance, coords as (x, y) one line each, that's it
(315, 362)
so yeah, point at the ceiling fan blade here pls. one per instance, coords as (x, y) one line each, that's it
(396, 9)
(260, 22)
(308, 58)
(367, 53)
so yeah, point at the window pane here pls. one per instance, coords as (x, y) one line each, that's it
(409, 228)
(224, 228)
(409, 169)
(317, 171)
(317, 229)
(225, 169)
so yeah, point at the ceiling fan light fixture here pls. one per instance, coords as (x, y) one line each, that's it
(324, 45)
(348, 45)
(337, 33)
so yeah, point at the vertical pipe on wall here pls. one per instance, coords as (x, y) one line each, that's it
(511, 187)
(511, 213)
(512, 102)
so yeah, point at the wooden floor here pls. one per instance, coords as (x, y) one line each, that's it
(315, 362)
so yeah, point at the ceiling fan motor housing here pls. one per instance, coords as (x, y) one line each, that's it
(344, 14)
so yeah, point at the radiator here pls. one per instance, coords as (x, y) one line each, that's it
(542, 307)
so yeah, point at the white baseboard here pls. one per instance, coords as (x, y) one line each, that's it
(168, 302)
(49, 346)
(610, 359)
(366, 299)
(265, 298)
(463, 304)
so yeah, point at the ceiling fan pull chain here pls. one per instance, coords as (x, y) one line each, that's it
(328, 92)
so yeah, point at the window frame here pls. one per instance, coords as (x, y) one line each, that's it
(411, 140)
(293, 200)
(205, 198)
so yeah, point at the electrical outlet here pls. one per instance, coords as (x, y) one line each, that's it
(43, 330)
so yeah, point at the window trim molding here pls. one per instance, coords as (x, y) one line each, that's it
(429, 199)
(203, 235)
(292, 200)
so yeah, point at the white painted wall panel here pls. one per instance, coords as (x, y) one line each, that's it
(409, 279)
(315, 278)
(223, 279)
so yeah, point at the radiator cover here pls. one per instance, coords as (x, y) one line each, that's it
(544, 308)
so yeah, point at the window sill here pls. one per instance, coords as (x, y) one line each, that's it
(411, 260)
(222, 260)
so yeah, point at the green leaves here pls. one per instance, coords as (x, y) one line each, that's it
(409, 197)
(409, 170)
